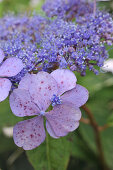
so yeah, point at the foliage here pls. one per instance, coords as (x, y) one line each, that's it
(52, 155)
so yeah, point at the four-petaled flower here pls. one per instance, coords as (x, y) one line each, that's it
(33, 97)
(8, 68)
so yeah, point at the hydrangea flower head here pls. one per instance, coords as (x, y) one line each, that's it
(67, 9)
(78, 47)
(33, 97)
(8, 68)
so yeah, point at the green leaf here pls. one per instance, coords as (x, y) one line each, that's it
(94, 82)
(110, 120)
(7, 118)
(53, 154)
(100, 106)
(17, 6)
(81, 150)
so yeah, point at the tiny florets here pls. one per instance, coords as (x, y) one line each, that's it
(77, 47)
(56, 100)
(102, 24)
(68, 9)
(46, 45)
(20, 37)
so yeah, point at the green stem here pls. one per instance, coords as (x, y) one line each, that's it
(47, 151)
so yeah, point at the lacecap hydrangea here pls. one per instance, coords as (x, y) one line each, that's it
(77, 47)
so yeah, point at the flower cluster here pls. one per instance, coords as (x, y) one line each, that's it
(20, 37)
(68, 9)
(33, 97)
(44, 44)
(77, 47)
(102, 24)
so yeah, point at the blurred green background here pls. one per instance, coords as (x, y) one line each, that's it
(76, 151)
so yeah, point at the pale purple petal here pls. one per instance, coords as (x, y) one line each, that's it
(63, 119)
(50, 130)
(42, 88)
(29, 134)
(25, 82)
(65, 78)
(1, 55)
(77, 96)
(11, 67)
(21, 103)
(5, 86)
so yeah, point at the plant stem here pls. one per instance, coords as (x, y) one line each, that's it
(14, 156)
(102, 128)
(47, 151)
(94, 9)
(87, 122)
(97, 137)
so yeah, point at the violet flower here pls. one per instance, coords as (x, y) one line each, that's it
(34, 95)
(8, 68)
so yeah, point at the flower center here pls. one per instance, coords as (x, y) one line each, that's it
(56, 100)
(42, 112)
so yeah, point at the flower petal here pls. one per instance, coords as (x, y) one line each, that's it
(11, 67)
(5, 86)
(50, 130)
(63, 119)
(1, 55)
(29, 133)
(25, 82)
(42, 88)
(21, 103)
(77, 96)
(65, 78)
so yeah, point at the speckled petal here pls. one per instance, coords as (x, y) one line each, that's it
(5, 86)
(65, 78)
(29, 134)
(63, 119)
(77, 96)
(1, 55)
(25, 82)
(21, 103)
(11, 67)
(50, 130)
(42, 88)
